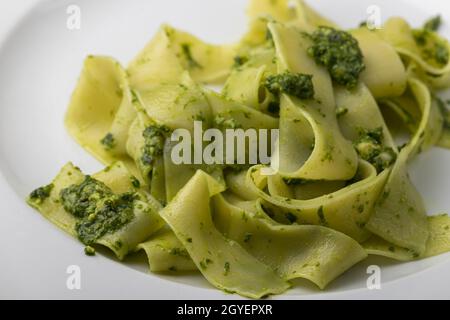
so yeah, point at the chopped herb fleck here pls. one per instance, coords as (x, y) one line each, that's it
(248, 237)
(108, 142)
(240, 61)
(204, 264)
(192, 63)
(291, 217)
(135, 182)
(361, 208)
(179, 252)
(340, 112)
(226, 268)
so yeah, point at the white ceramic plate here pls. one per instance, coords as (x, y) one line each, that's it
(40, 60)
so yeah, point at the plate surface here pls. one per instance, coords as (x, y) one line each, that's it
(40, 60)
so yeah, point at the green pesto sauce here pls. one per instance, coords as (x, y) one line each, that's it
(340, 53)
(296, 85)
(108, 142)
(98, 210)
(81, 200)
(154, 139)
(39, 195)
(370, 148)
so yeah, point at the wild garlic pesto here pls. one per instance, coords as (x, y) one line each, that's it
(340, 53)
(296, 85)
(370, 148)
(81, 200)
(154, 137)
(39, 195)
(99, 211)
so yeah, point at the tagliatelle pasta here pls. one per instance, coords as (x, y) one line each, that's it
(325, 186)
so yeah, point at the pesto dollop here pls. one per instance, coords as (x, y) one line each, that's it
(293, 84)
(340, 53)
(81, 200)
(39, 195)
(111, 215)
(99, 211)
(154, 139)
(370, 148)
